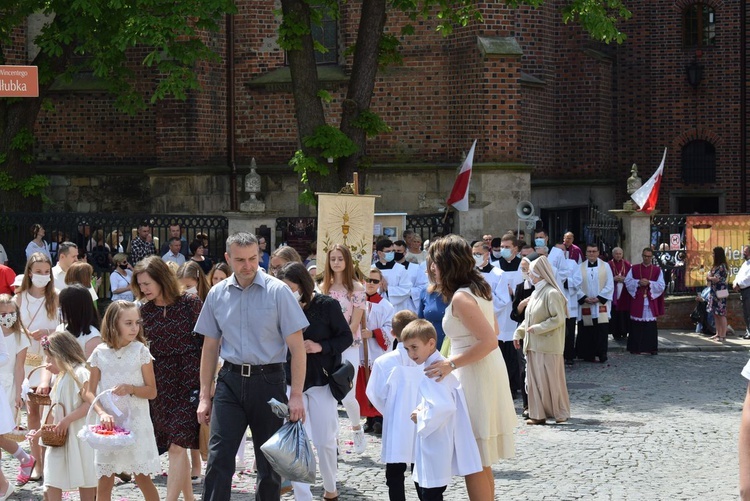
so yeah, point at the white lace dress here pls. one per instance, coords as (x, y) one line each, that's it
(123, 366)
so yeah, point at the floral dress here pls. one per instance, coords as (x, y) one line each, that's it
(716, 305)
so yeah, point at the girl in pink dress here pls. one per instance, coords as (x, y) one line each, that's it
(339, 282)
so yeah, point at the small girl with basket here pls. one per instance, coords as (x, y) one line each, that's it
(17, 341)
(68, 462)
(123, 363)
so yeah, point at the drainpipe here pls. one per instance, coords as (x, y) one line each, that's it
(230, 115)
(743, 105)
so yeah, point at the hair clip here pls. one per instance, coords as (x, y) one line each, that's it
(45, 343)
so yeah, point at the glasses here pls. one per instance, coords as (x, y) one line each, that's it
(372, 281)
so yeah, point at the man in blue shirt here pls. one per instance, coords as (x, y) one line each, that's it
(254, 319)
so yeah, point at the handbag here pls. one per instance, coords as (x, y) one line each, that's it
(722, 293)
(341, 381)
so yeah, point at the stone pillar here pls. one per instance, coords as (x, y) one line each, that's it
(636, 228)
(470, 223)
(239, 221)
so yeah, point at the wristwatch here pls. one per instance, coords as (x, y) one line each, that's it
(453, 365)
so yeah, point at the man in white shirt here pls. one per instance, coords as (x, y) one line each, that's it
(398, 283)
(67, 254)
(594, 300)
(174, 253)
(742, 285)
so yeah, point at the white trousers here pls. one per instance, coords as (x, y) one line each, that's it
(321, 426)
(350, 400)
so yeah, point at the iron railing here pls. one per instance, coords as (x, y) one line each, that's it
(84, 228)
(672, 262)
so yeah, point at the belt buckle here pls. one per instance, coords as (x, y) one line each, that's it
(245, 370)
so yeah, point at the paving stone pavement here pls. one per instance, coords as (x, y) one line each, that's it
(643, 428)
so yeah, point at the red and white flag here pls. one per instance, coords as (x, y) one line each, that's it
(459, 197)
(648, 194)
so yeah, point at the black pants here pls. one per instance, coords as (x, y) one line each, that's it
(240, 402)
(570, 339)
(745, 295)
(510, 356)
(592, 341)
(431, 494)
(394, 479)
(619, 324)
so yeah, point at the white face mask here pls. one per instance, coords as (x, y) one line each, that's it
(8, 320)
(40, 281)
(479, 259)
(297, 295)
(192, 290)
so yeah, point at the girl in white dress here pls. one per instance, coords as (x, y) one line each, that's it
(123, 363)
(80, 317)
(37, 304)
(16, 339)
(70, 466)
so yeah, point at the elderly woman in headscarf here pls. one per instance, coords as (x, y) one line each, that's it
(543, 332)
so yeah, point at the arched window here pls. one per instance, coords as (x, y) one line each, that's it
(699, 26)
(326, 35)
(699, 162)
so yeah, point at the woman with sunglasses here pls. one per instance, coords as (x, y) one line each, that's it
(376, 341)
(339, 282)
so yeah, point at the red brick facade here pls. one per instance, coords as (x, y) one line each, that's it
(571, 108)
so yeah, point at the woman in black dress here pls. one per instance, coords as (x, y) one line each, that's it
(168, 320)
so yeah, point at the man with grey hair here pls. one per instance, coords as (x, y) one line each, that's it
(67, 254)
(254, 318)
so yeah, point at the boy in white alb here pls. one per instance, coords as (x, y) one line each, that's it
(445, 445)
(392, 390)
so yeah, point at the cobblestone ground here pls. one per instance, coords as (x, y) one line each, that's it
(643, 428)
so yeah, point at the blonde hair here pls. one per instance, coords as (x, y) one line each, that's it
(113, 239)
(66, 351)
(191, 269)
(288, 254)
(50, 296)
(400, 320)
(419, 329)
(349, 273)
(18, 328)
(109, 333)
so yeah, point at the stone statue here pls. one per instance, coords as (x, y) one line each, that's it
(252, 186)
(634, 182)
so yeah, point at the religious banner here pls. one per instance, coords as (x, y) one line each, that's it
(347, 220)
(703, 233)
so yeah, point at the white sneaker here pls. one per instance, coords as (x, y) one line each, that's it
(360, 441)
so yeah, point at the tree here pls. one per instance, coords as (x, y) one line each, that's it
(98, 35)
(347, 144)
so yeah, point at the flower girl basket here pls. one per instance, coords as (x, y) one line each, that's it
(100, 438)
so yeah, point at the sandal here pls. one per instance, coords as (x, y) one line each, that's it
(536, 421)
(24, 478)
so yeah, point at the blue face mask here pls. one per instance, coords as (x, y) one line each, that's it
(539, 242)
(505, 253)
(389, 256)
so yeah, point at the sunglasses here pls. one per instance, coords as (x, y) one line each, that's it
(372, 281)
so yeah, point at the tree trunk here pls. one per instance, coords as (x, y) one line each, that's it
(307, 104)
(15, 116)
(362, 84)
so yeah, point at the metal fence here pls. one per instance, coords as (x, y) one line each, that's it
(603, 229)
(300, 232)
(100, 231)
(671, 262)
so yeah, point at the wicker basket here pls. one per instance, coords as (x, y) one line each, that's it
(34, 397)
(18, 433)
(111, 440)
(34, 359)
(47, 431)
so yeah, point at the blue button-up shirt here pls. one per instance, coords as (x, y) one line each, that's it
(252, 323)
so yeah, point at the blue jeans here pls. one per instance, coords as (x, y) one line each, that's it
(240, 402)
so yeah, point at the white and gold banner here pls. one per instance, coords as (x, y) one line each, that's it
(346, 220)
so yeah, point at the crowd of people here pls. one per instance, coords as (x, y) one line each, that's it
(442, 337)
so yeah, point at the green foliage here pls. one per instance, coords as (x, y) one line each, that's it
(388, 51)
(304, 165)
(325, 96)
(371, 123)
(29, 187)
(170, 37)
(330, 142)
(23, 142)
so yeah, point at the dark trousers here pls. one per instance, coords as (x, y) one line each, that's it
(619, 324)
(592, 341)
(510, 356)
(394, 479)
(570, 339)
(431, 494)
(745, 295)
(522, 370)
(240, 402)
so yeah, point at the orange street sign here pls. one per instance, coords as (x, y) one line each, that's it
(19, 81)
